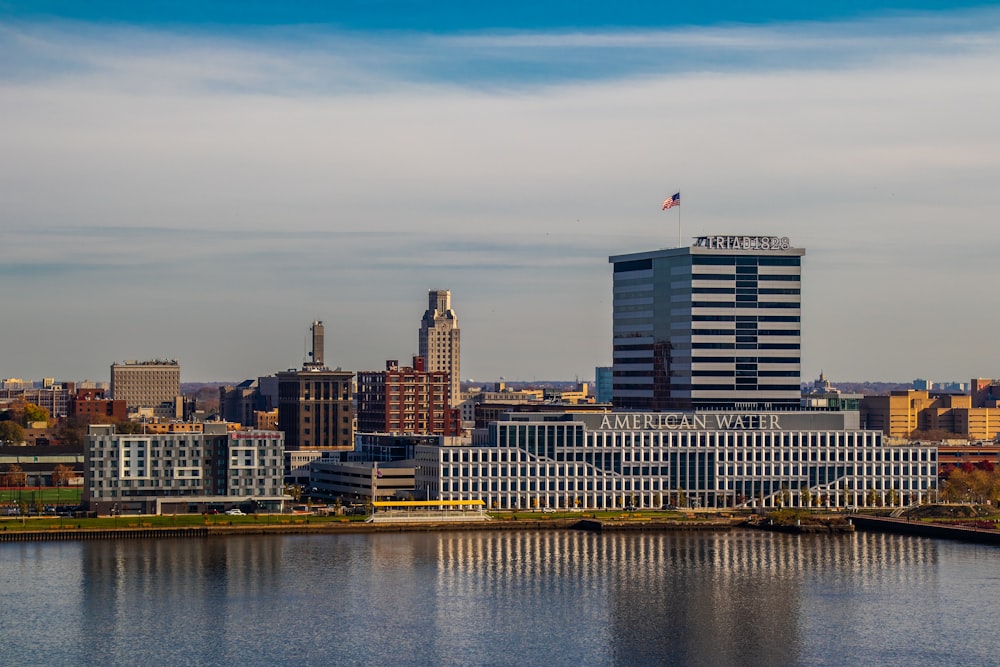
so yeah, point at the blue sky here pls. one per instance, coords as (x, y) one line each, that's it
(202, 181)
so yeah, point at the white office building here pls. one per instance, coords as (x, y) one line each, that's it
(712, 459)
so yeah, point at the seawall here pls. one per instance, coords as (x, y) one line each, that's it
(919, 528)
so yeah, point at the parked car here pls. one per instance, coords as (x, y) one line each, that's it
(631, 508)
(236, 511)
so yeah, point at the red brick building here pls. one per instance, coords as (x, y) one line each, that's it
(406, 399)
(90, 404)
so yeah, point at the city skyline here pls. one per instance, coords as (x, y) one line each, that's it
(173, 182)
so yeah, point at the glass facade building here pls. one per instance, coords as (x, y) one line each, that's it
(712, 326)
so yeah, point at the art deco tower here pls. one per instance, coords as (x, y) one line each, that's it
(440, 338)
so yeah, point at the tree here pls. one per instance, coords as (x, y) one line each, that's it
(35, 413)
(11, 433)
(62, 474)
(128, 427)
(806, 496)
(956, 487)
(15, 476)
(72, 431)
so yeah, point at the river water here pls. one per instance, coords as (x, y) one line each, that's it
(501, 598)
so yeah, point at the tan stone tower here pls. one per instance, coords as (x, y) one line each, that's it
(440, 340)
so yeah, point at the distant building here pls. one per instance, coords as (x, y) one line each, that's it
(55, 397)
(182, 472)
(604, 382)
(361, 482)
(146, 384)
(244, 403)
(923, 385)
(315, 404)
(406, 399)
(823, 396)
(712, 326)
(985, 393)
(901, 413)
(385, 447)
(440, 341)
(91, 406)
(297, 466)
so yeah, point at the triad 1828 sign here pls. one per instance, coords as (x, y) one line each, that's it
(742, 242)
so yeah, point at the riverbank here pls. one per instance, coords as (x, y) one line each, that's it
(624, 523)
(300, 527)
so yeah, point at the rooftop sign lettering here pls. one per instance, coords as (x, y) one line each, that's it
(742, 242)
(689, 422)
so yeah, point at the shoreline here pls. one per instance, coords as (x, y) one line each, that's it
(331, 528)
(857, 522)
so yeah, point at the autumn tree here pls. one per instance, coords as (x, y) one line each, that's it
(11, 433)
(15, 476)
(35, 413)
(62, 475)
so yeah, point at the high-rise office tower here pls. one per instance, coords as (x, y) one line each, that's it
(440, 340)
(711, 326)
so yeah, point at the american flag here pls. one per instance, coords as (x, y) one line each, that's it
(671, 201)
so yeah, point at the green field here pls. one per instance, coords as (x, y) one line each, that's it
(46, 495)
(167, 521)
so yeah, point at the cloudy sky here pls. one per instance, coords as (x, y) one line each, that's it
(200, 181)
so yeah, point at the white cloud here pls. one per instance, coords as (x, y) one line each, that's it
(145, 173)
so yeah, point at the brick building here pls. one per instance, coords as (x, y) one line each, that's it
(406, 399)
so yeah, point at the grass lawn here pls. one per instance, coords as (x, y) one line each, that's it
(168, 521)
(45, 495)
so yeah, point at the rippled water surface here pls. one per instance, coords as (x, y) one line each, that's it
(501, 598)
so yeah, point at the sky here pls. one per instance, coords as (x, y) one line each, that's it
(200, 181)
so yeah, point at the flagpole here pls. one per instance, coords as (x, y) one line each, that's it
(678, 226)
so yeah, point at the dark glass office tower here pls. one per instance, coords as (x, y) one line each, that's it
(712, 326)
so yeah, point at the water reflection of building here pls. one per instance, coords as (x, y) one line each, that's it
(139, 597)
(673, 598)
